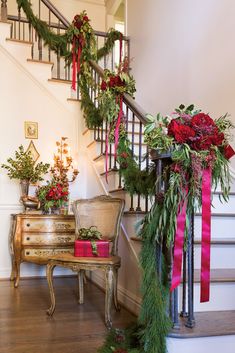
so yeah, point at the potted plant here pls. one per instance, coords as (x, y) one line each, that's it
(52, 196)
(24, 168)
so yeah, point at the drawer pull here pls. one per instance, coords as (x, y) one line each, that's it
(28, 224)
(27, 252)
(28, 238)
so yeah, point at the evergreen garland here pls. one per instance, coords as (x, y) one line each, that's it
(56, 42)
(136, 181)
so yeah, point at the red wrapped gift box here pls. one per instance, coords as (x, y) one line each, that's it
(83, 248)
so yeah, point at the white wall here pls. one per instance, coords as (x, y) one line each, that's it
(183, 52)
(24, 98)
(69, 8)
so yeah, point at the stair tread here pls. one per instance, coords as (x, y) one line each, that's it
(130, 213)
(218, 275)
(219, 214)
(116, 190)
(218, 241)
(40, 61)
(19, 41)
(59, 80)
(208, 323)
(73, 100)
(102, 155)
(104, 141)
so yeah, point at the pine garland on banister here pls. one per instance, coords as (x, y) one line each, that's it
(199, 152)
(59, 44)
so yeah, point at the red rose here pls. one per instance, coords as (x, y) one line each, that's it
(124, 155)
(202, 143)
(85, 19)
(120, 350)
(203, 124)
(103, 85)
(181, 133)
(78, 24)
(228, 152)
(112, 81)
(217, 139)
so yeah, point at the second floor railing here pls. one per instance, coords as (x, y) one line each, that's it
(23, 30)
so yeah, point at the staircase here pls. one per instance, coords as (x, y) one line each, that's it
(215, 321)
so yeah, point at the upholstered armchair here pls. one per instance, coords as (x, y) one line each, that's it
(105, 213)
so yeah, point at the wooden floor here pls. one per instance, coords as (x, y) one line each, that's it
(74, 328)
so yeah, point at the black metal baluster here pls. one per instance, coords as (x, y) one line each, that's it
(49, 21)
(190, 252)
(138, 208)
(184, 311)
(19, 21)
(39, 38)
(132, 151)
(147, 169)
(58, 55)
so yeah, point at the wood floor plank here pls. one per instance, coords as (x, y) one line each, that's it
(25, 327)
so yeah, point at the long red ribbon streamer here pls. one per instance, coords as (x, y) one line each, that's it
(206, 235)
(117, 127)
(120, 47)
(178, 246)
(74, 66)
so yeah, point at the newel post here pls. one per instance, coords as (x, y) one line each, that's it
(4, 10)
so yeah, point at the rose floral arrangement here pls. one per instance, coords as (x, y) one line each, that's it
(81, 36)
(53, 195)
(110, 98)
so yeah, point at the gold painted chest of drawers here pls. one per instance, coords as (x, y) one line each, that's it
(34, 237)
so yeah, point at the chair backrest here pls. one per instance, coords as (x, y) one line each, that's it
(104, 212)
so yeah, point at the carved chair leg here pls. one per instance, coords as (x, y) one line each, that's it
(109, 278)
(81, 286)
(115, 290)
(50, 269)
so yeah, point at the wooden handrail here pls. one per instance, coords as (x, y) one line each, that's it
(57, 13)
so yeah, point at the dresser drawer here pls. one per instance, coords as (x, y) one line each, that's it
(45, 253)
(48, 225)
(47, 238)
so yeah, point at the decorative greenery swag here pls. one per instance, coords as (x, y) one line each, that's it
(191, 152)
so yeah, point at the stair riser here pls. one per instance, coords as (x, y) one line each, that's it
(222, 256)
(215, 344)
(21, 51)
(113, 181)
(95, 150)
(5, 29)
(130, 222)
(220, 227)
(222, 296)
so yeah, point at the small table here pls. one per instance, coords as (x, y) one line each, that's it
(36, 237)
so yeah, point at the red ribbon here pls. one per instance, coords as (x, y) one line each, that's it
(120, 49)
(76, 63)
(117, 127)
(179, 244)
(206, 235)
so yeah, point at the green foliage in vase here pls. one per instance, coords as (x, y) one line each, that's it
(23, 167)
(89, 233)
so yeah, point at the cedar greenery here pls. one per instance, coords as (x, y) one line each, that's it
(159, 225)
(23, 167)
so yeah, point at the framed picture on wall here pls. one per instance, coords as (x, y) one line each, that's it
(33, 151)
(31, 130)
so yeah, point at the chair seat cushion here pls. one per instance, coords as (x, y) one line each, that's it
(112, 260)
